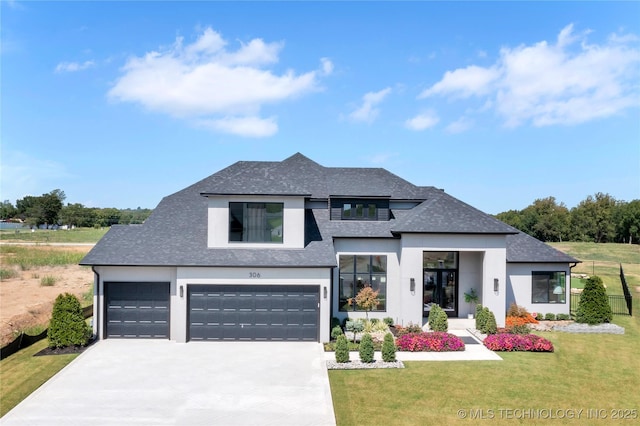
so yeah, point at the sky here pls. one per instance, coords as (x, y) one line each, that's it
(498, 103)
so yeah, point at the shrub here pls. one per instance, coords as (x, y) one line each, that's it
(430, 342)
(478, 309)
(48, 280)
(366, 348)
(409, 329)
(354, 326)
(388, 321)
(336, 331)
(563, 317)
(520, 329)
(481, 318)
(5, 274)
(517, 311)
(518, 342)
(388, 348)
(342, 349)
(438, 319)
(490, 327)
(67, 326)
(594, 305)
(335, 321)
(550, 317)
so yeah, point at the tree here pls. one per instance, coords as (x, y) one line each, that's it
(592, 219)
(366, 299)
(67, 326)
(594, 304)
(41, 210)
(547, 220)
(7, 210)
(627, 221)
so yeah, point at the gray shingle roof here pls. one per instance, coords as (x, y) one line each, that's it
(523, 248)
(176, 232)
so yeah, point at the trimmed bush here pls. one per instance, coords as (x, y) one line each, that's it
(342, 349)
(491, 327)
(335, 321)
(518, 342)
(481, 318)
(438, 319)
(388, 348)
(67, 326)
(520, 329)
(366, 348)
(388, 321)
(563, 317)
(336, 331)
(550, 317)
(430, 342)
(355, 326)
(594, 305)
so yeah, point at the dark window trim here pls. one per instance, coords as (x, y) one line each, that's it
(281, 204)
(549, 275)
(353, 307)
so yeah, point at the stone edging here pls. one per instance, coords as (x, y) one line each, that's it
(359, 365)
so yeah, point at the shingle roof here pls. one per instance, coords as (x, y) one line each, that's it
(176, 232)
(523, 248)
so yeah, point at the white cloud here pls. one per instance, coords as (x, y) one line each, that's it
(327, 66)
(206, 82)
(422, 121)
(252, 127)
(73, 66)
(367, 111)
(459, 126)
(568, 82)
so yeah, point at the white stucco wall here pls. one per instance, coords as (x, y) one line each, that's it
(218, 221)
(519, 287)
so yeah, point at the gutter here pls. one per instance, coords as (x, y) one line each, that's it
(96, 304)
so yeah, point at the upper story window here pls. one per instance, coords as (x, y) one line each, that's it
(256, 222)
(360, 211)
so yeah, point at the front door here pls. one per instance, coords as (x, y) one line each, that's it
(440, 282)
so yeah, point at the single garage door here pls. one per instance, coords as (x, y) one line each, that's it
(137, 310)
(254, 312)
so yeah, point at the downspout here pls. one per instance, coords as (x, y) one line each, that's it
(571, 273)
(96, 302)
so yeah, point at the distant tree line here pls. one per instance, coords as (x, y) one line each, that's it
(49, 209)
(599, 218)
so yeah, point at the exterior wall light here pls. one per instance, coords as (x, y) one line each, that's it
(496, 285)
(181, 291)
(325, 291)
(412, 284)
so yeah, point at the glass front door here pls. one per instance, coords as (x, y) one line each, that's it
(440, 289)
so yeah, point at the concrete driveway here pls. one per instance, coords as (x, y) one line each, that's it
(145, 382)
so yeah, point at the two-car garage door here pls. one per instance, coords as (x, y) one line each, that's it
(254, 312)
(215, 312)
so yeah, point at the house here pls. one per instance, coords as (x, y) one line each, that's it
(274, 250)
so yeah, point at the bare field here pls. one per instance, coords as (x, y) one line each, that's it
(26, 303)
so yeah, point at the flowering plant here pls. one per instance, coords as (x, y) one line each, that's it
(429, 342)
(517, 342)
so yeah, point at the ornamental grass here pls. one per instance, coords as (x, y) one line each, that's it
(429, 342)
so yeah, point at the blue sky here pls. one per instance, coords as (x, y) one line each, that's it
(499, 103)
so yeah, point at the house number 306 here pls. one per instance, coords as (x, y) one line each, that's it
(254, 274)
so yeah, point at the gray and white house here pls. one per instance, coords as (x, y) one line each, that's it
(274, 250)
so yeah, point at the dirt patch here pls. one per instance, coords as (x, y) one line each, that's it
(25, 303)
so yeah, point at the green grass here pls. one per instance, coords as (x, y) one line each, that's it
(79, 235)
(48, 280)
(585, 372)
(22, 373)
(5, 274)
(604, 260)
(30, 257)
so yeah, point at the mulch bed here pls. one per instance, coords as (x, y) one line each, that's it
(66, 350)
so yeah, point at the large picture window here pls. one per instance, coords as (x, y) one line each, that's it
(358, 272)
(548, 287)
(256, 222)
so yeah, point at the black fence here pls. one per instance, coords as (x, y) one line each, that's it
(25, 340)
(620, 305)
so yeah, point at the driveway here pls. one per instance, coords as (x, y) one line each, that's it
(147, 382)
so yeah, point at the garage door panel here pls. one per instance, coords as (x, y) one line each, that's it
(137, 310)
(254, 312)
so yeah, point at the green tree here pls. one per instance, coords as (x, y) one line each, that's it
(7, 210)
(592, 219)
(594, 304)
(627, 221)
(388, 348)
(67, 326)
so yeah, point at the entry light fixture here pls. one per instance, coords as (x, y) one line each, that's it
(325, 292)
(496, 285)
(412, 284)
(181, 291)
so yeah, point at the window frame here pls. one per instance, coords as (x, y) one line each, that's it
(551, 278)
(368, 210)
(244, 205)
(372, 276)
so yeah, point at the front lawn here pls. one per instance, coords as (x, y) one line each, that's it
(586, 371)
(22, 373)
